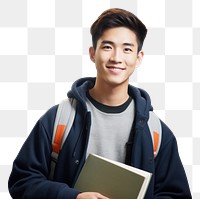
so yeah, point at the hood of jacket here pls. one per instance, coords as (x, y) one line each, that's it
(141, 97)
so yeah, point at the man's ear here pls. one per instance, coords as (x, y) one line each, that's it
(92, 54)
(139, 58)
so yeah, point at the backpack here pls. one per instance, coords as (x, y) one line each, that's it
(64, 120)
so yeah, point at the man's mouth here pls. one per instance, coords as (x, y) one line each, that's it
(115, 68)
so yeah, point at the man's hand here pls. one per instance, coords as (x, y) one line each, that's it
(90, 195)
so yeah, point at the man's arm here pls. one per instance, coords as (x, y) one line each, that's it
(170, 177)
(29, 176)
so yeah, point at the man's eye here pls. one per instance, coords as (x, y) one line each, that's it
(107, 47)
(128, 50)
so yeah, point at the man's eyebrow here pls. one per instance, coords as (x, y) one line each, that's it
(112, 43)
(107, 42)
(128, 44)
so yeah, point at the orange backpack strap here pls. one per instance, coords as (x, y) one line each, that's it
(156, 131)
(62, 125)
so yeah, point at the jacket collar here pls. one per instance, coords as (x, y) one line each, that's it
(141, 98)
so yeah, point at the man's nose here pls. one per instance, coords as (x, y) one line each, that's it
(116, 56)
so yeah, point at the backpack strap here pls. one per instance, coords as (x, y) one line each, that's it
(62, 125)
(156, 131)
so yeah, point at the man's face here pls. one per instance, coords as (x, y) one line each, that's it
(116, 56)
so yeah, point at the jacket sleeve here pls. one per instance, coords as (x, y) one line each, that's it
(29, 175)
(170, 178)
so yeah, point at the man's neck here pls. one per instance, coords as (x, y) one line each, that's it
(109, 95)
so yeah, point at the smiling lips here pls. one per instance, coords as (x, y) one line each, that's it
(115, 70)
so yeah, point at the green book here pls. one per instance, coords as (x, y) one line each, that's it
(112, 179)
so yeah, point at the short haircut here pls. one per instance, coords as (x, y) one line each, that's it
(116, 17)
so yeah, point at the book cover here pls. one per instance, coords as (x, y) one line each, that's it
(112, 179)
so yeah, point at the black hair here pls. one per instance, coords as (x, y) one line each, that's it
(116, 17)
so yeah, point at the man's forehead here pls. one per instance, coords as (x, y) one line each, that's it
(118, 35)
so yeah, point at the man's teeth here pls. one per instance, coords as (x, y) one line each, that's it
(115, 68)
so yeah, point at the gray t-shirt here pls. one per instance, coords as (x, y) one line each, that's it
(110, 129)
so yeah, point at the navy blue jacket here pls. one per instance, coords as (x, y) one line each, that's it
(29, 176)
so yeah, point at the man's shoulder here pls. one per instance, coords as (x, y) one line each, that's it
(48, 118)
(168, 136)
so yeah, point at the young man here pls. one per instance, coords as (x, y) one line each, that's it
(111, 120)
